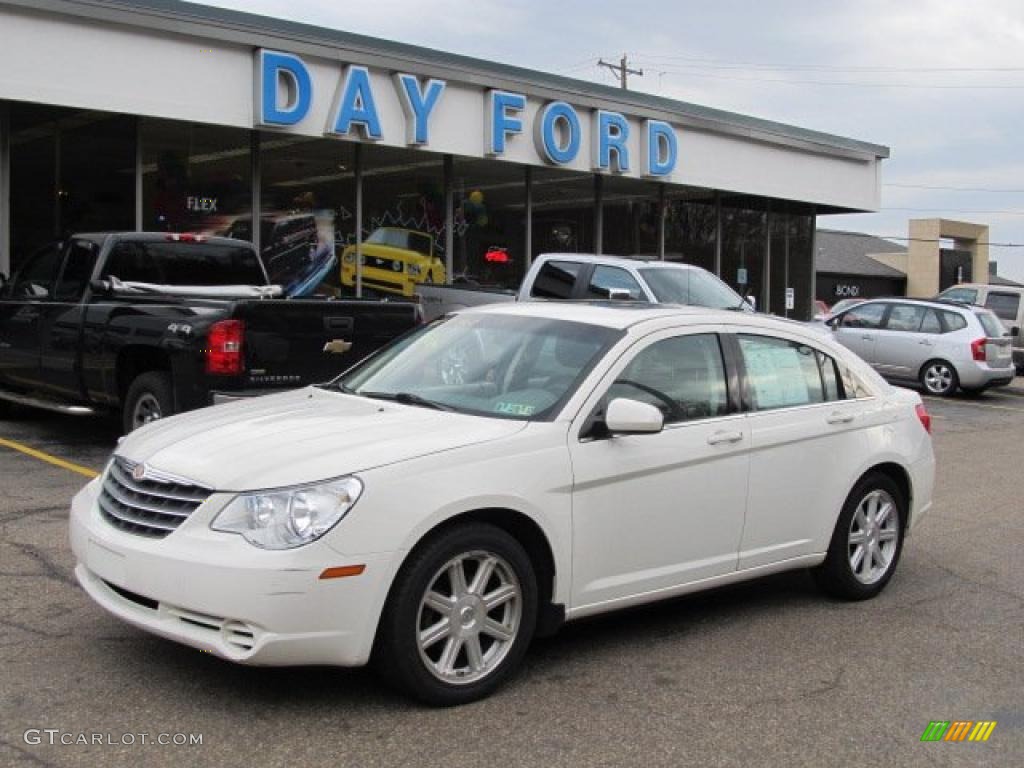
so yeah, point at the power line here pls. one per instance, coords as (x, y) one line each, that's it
(621, 69)
(915, 239)
(957, 210)
(846, 83)
(700, 63)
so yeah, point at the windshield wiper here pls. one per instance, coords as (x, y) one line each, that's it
(337, 385)
(406, 398)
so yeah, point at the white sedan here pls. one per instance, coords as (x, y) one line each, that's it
(498, 472)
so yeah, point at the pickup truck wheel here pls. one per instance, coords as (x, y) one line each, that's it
(149, 398)
(460, 616)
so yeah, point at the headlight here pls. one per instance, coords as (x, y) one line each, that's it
(396, 265)
(413, 270)
(350, 258)
(291, 517)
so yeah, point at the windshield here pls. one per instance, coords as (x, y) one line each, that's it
(991, 324)
(401, 238)
(690, 286)
(501, 366)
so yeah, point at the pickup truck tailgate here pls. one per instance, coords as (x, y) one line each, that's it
(285, 339)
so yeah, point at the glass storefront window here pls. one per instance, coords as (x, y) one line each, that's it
(403, 199)
(743, 247)
(790, 248)
(489, 222)
(630, 217)
(563, 212)
(308, 208)
(71, 171)
(691, 227)
(195, 178)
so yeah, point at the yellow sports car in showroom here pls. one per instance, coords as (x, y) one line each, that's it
(395, 260)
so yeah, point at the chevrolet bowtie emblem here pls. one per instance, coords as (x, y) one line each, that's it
(337, 346)
(139, 472)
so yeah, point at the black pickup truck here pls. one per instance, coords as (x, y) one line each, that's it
(145, 325)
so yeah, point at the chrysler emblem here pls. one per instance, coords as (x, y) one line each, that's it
(139, 472)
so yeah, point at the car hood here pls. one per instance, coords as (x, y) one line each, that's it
(298, 437)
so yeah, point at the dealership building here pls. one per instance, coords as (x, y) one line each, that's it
(165, 115)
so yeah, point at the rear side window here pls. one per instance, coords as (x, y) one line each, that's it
(864, 316)
(992, 326)
(953, 321)
(1005, 305)
(784, 373)
(608, 279)
(555, 280)
(78, 266)
(904, 317)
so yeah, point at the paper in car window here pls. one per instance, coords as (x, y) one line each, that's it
(776, 374)
(515, 409)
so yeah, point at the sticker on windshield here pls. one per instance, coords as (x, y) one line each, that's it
(515, 409)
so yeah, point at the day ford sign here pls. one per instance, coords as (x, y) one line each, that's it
(286, 90)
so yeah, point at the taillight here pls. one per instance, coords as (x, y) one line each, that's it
(224, 348)
(185, 237)
(978, 349)
(924, 417)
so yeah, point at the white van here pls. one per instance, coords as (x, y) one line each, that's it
(1005, 301)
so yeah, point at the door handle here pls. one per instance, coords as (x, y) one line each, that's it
(725, 437)
(867, 338)
(840, 418)
(925, 342)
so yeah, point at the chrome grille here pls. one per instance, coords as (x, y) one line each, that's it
(152, 506)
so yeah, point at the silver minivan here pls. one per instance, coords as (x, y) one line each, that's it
(1006, 301)
(942, 345)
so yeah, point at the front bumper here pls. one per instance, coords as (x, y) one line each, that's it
(219, 594)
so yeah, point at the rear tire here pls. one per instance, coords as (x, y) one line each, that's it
(939, 378)
(460, 616)
(867, 540)
(149, 398)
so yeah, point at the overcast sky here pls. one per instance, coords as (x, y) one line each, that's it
(940, 83)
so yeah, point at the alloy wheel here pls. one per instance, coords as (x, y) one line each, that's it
(469, 617)
(938, 378)
(874, 537)
(147, 409)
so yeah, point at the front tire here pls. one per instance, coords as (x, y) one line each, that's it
(939, 378)
(867, 540)
(460, 616)
(149, 397)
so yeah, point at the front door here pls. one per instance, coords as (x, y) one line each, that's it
(857, 329)
(655, 511)
(903, 344)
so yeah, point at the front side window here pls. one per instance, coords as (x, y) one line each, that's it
(690, 286)
(490, 365)
(556, 280)
(78, 266)
(36, 279)
(905, 317)
(683, 377)
(864, 316)
(786, 373)
(1005, 305)
(608, 279)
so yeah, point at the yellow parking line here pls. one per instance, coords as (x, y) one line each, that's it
(70, 466)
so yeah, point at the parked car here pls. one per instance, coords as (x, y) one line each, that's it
(841, 306)
(581, 276)
(820, 309)
(291, 249)
(1004, 301)
(145, 325)
(395, 260)
(942, 345)
(589, 457)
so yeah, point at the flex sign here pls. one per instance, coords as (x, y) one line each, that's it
(285, 92)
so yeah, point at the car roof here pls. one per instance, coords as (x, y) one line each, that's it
(936, 303)
(625, 314)
(626, 261)
(992, 286)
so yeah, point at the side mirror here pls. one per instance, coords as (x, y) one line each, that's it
(619, 294)
(631, 417)
(101, 287)
(751, 302)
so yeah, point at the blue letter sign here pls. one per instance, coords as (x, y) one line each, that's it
(611, 131)
(356, 108)
(499, 123)
(557, 133)
(274, 70)
(659, 148)
(417, 103)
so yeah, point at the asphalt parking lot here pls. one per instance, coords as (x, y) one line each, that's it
(767, 673)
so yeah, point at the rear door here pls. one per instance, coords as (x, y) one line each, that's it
(901, 347)
(285, 339)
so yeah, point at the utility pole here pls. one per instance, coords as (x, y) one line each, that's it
(621, 70)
